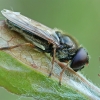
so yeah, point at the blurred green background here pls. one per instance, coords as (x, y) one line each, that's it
(80, 18)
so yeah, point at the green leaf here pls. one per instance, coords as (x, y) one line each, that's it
(23, 80)
(24, 71)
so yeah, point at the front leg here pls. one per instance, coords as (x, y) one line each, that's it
(63, 66)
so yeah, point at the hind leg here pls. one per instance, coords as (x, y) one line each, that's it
(15, 46)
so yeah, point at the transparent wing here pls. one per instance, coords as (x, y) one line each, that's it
(32, 26)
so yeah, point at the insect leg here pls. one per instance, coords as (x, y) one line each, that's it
(63, 66)
(61, 73)
(53, 59)
(15, 46)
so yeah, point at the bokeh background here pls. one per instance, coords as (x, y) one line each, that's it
(80, 18)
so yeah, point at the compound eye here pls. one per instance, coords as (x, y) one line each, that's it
(80, 59)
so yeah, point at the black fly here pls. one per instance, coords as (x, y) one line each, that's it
(52, 41)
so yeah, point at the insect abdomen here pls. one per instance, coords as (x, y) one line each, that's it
(31, 37)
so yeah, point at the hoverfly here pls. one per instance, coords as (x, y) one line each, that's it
(52, 41)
